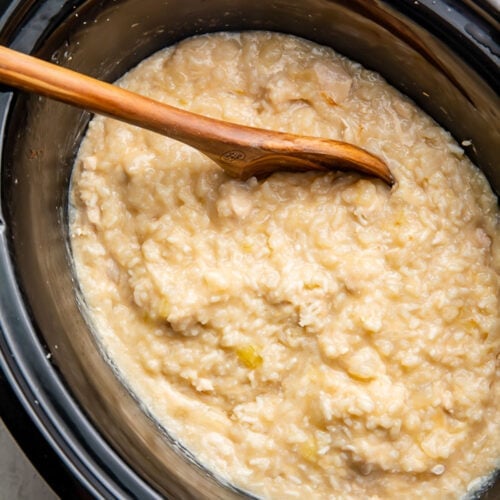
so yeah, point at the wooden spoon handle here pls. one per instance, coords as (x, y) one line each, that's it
(36, 75)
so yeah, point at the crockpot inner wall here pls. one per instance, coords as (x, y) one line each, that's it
(104, 39)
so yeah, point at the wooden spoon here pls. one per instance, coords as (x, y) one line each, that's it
(241, 151)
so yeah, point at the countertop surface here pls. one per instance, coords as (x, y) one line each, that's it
(19, 480)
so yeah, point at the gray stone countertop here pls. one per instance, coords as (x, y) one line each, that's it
(19, 480)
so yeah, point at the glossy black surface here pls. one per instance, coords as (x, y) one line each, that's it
(441, 53)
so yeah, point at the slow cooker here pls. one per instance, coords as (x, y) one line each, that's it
(59, 394)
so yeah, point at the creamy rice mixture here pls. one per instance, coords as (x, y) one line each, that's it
(307, 334)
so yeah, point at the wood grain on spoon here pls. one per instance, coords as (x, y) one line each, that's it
(240, 150)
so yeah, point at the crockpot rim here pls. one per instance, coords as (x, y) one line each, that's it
(14, 315)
